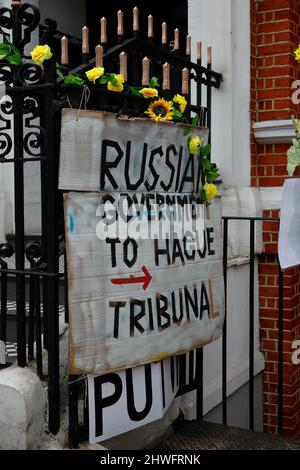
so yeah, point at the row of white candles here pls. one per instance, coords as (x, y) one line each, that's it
(164, 37)
(123, 68)
(120, 32)
(145, 67)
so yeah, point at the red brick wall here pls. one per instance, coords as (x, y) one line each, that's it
(275, 34)
(268, 302)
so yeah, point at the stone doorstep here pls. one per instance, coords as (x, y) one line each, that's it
(197, 435)
(22, 409)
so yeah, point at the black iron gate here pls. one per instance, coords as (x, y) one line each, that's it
(32, 272)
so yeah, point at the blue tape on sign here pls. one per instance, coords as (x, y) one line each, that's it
(71, 223)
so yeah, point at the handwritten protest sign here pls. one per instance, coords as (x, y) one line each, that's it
(144, 256)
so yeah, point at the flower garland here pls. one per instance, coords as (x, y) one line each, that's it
(158, 110)
(293, 153)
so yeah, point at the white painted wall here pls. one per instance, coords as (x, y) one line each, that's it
(224, 25)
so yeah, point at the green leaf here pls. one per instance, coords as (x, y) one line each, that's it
(212, 176)
(293, 155)
(186, 131)
(203, 197)
(177, 115)
(14, 59)
(104, 79)
(206, 164)
(135, 91)
(73, 80)
(154, 82)
(4, 49)
(206, 150)
(111, 76)
(195, 121)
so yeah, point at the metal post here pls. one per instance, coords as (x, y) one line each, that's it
(251, 326)
(19, 202)
(199, 389)
(280, 353)
(52, 253)
(224, 338)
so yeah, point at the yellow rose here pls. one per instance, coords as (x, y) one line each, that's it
(41, 53)
(211, 191)
(149, 92)
(94, 73)
(298, 126)
(181, 101)
(119, 86)
(297, 53)
(195, 144)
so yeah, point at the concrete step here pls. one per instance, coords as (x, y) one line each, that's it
(201, 435)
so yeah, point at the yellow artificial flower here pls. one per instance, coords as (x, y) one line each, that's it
(160, 110)
(149, 92)
(211, 191)
(298, 126)
(40, 54)
(195, 144)
(181, 101)
(297, 53)
(119, 86)
(94, 74)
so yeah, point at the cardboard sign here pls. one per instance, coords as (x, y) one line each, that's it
(144, 257)
(126, 400)
(102, 153)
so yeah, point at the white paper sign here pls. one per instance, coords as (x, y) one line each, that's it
(126, 400)
(289, 233)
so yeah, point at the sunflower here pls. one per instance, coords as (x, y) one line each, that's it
(160, 110)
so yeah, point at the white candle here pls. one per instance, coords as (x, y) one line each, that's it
(120, 30)
(103, 28)
(166, 76)
(85, 40)
(136, 25)
(199, 50)
(185, 81)
(64, 50)
(188, 45)
(123, 64)
(99, 56)
(146, 71)
(176, 40)
(150, 27)
(164, 33)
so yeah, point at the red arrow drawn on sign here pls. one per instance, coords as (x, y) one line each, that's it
(135, 280)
